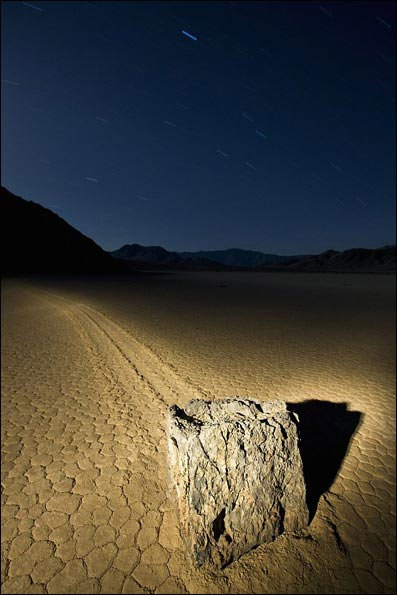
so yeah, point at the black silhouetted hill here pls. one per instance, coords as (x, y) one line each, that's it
(36, 240)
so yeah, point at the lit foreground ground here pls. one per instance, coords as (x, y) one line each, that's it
(89, 369)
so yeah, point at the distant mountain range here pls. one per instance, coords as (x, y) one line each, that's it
(236, 257)
(379, 260)
(142, 256)
(36, 240)
(233, 258)
(354, 260)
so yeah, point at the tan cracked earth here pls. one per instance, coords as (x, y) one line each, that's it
(89, 369)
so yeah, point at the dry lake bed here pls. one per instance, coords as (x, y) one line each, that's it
(90, 367)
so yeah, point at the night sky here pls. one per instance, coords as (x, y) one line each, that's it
(204, 125)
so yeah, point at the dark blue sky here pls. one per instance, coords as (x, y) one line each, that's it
(274, 130)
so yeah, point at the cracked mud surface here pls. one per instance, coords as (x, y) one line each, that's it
(89, 370)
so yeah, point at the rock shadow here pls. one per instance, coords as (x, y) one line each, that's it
(325, 431)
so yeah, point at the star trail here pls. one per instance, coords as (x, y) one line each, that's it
(189, 35)
(259, 125)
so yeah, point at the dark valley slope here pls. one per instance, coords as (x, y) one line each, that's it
(36, 240)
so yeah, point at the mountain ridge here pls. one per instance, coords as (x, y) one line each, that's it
(34, 239)
(240, 257)
(231, 257)
(381, 259)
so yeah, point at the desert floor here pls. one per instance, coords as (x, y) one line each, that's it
(89, 368)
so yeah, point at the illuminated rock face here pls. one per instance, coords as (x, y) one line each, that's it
(238, 473)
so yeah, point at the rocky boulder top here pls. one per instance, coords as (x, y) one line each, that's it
(238, 473)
